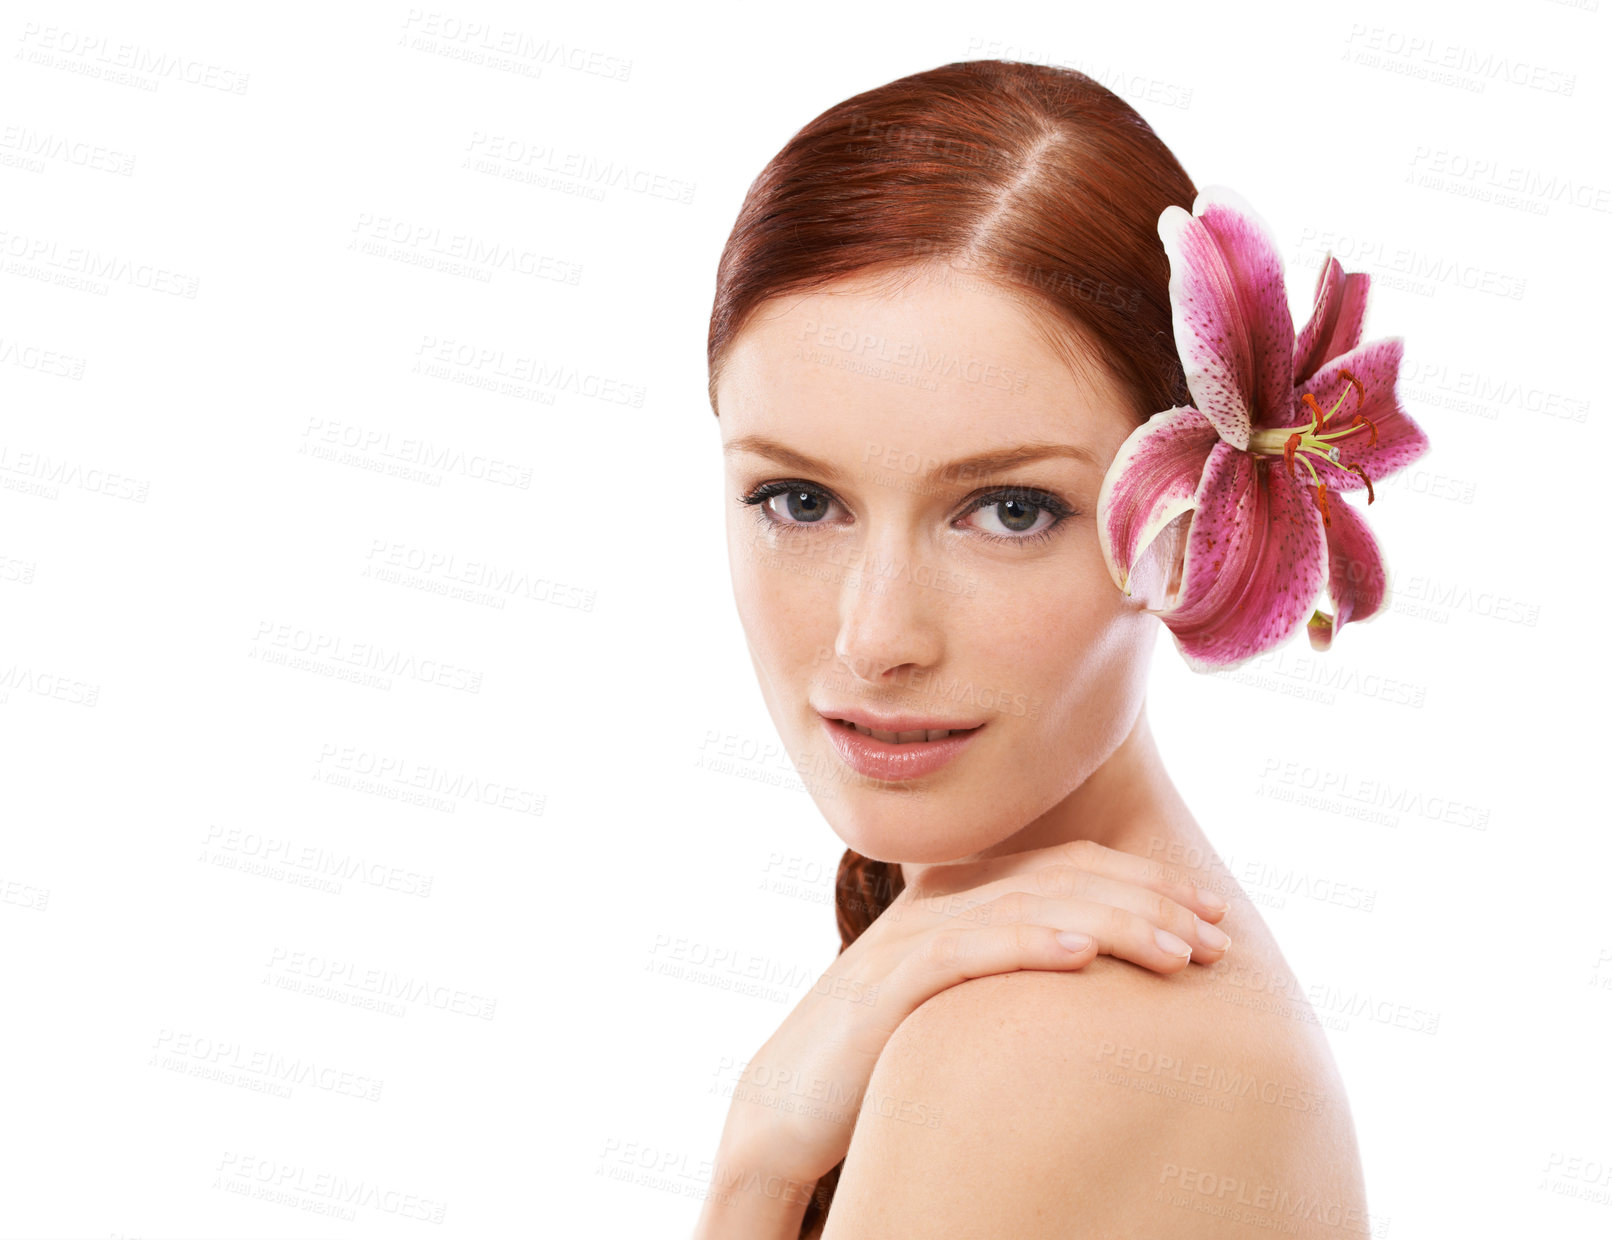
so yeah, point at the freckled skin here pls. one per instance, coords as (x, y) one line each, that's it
(1037, 642)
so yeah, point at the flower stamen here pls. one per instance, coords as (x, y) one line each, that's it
(1371, 496)
(1360, 420)
(1301, 443)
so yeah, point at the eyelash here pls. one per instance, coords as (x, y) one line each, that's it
(1030, 495)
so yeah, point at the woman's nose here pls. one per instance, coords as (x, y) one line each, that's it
(889, 617)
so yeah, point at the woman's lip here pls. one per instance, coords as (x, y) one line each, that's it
(890, 761)
(897, 723)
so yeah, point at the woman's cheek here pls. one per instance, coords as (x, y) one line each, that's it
(1082, 667)
(788, 616)
(1039, 640)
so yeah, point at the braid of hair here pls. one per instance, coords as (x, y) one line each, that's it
(863, 889)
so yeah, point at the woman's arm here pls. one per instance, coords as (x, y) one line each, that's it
(956, 922)
(751, 1201)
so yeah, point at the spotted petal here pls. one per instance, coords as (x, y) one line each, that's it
(1253, 562)
(1357, 580)
(1233, 328)
(1335, 323)
(1152, 480)
(1399, 439)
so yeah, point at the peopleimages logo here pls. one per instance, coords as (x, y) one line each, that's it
(953, 689)
(101, 270)
(296, 1185)
(94, 55)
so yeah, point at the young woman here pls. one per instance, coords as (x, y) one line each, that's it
(943, 309)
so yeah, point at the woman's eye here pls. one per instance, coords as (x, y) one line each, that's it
(798, 506)
(1013, 516)
(1003, 516)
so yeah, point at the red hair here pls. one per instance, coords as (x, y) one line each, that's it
(1035, 178)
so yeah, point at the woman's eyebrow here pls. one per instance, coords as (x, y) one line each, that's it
(965, 467)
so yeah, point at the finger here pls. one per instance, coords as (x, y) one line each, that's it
(953, 954)
(1137, 935)
(1062, 882)
(1086, 855)
(1067, 883)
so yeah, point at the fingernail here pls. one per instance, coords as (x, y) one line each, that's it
(1171, 944)
(1212, 937)
(1074, 942)
(1209, 899)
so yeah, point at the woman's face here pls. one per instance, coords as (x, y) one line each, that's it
(888, 571)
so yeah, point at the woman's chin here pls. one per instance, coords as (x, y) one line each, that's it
(909, 834)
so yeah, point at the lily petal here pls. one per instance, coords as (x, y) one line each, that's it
(1152, 480)
(1253, 562)
(1357, 580)
(1233, 328)
(1399, 439)
(1336, 322)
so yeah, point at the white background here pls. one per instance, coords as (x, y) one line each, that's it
(184, 514)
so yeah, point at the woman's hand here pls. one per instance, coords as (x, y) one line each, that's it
(794, 1110)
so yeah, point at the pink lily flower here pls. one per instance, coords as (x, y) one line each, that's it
(1267, 404)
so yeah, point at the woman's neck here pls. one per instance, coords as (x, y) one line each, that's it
(1128, 803)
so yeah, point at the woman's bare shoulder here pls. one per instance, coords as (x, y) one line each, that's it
(1085, 1102)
